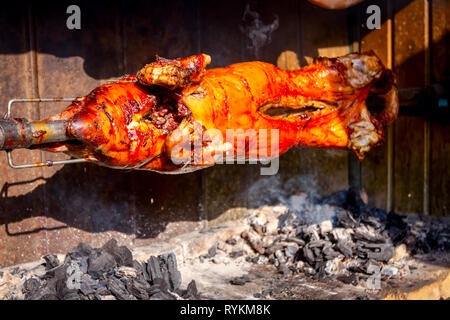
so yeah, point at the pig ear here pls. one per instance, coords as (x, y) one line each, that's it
(174, 74)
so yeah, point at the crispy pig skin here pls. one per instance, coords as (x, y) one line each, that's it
(139, 122)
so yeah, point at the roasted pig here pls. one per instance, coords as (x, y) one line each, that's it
(175, 116)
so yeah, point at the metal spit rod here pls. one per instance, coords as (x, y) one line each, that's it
(21, 133)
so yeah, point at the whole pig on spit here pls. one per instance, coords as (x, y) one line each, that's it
(175, 116)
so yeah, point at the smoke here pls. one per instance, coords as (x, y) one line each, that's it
(258, 32)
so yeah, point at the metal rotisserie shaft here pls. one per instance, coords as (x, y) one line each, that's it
(18, 133)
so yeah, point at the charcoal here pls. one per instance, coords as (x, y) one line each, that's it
(138, 288)
(320, 274)
(31, 285)
(236, 254)
(368, 233)
(44, 293)
(88, 285)
(58, 272)
(240, 281)
(317, 254)
(102, 290)
(348, 279)
(100, 264)
(154, 269)
(154, 289)
(118, 289)
(51, 261)
(174, 276)
(346, 219)
(329, 253)
(298, 241)
(317, 244)
(191, 291)
(345, 248)
(376, 251)
(212, 251)
(161, 284)
(138, 267)
(371, 266)
(122, 254)
(283, 269)
(60, 286)
(291, 251)
(84, 249)
(308, 254)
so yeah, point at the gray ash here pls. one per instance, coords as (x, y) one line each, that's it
(108, 273)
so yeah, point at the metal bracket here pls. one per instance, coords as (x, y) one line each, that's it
(47, 163)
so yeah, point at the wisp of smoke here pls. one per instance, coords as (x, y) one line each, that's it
(258, 32)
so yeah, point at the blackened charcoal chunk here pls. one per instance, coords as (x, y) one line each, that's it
(154, 269)
(100, 264)
(161, 284)
(138, 267)
(61, 288)
(138, 288)
(346, 219)
(240, 281)
(122, 255)
(345, 247)
(84, 249)
(31, 285)
(236, 253)
(88, 285)
(376, 251)
(51, 261)
(308, 255)
(118, 289)
(348, 279)
(44, 293)
(368, 233)
(154, 289)
(191, 291)
(329, 253)
(170, 261)
(212, 251)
